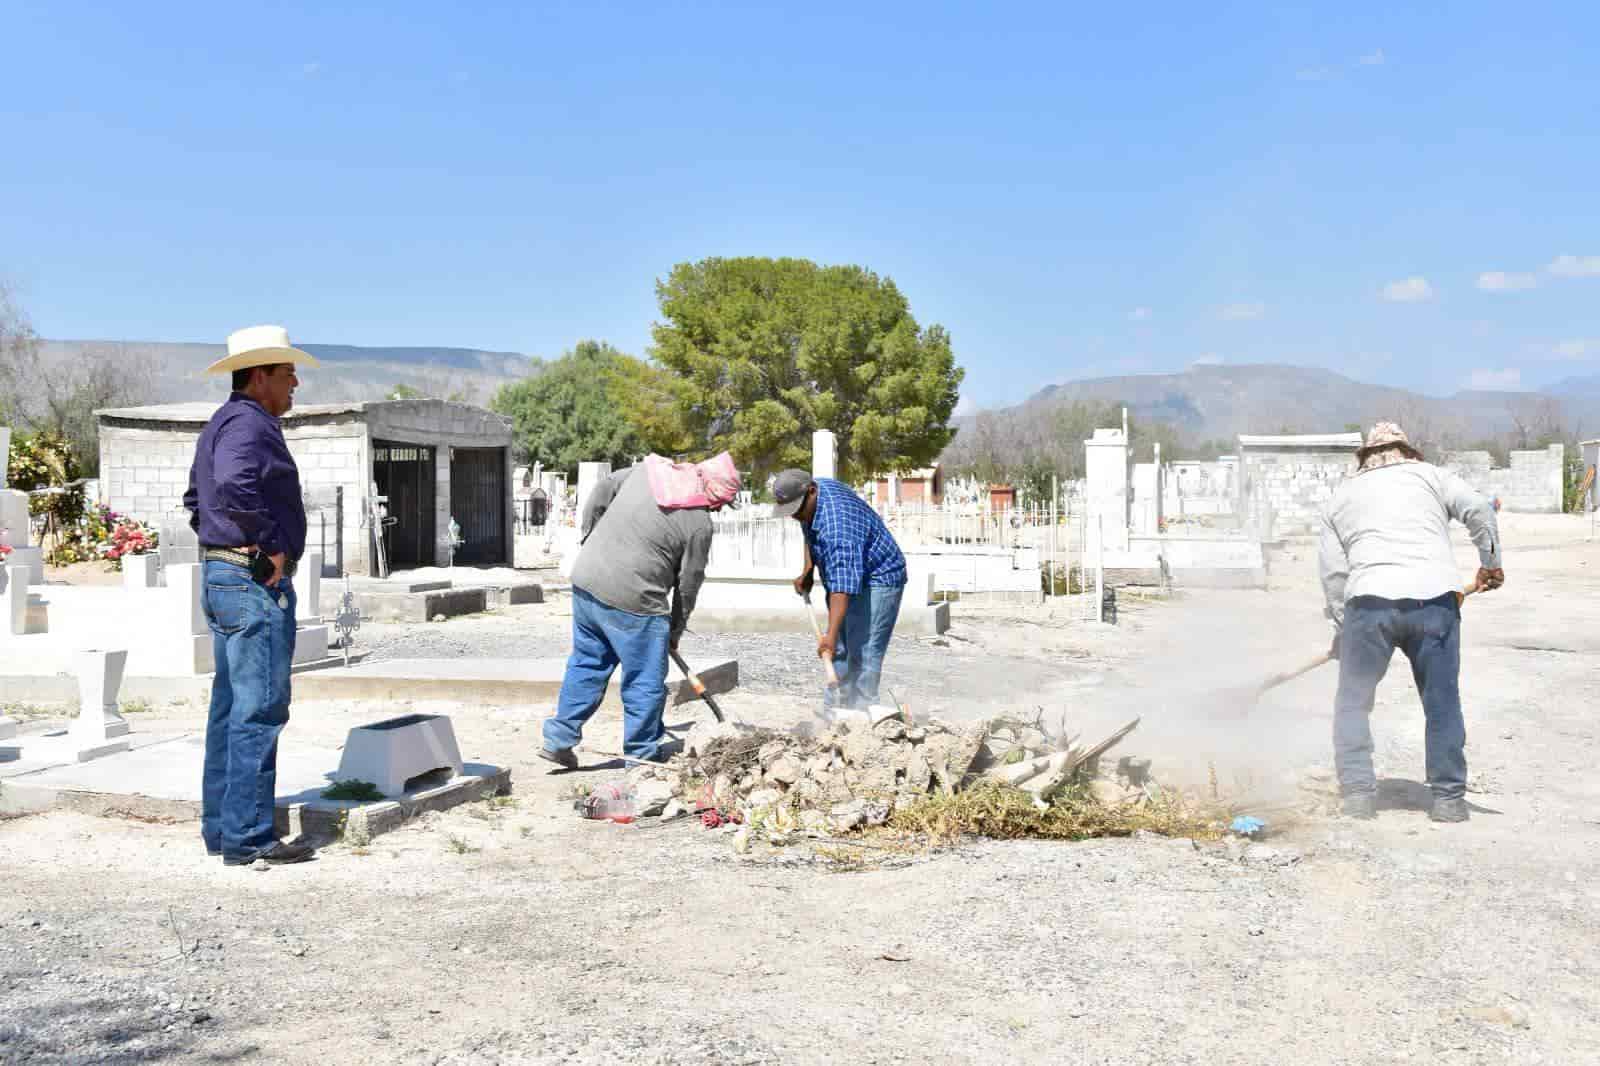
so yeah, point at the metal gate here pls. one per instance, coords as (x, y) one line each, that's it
(404, 473)
(478, 500)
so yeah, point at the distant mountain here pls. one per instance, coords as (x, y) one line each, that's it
(175, 372)
(1221, 402)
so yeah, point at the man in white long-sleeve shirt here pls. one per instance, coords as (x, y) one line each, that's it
(1390, 579)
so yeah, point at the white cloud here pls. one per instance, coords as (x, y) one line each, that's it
(1208, 359)
(1577, 349)
(1501, 281)
(1575, 266)
(1506, 379)
(1312, 74)
(1373, 58)
(1241, 312)
(1408, 291)
(310, 70)
(1140, 314)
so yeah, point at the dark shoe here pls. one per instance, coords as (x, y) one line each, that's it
(565, 758)
(279, 854)
(1449, 810)
(1362, 805)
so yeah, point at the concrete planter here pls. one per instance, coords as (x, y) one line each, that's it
(141, 571)
(99, 680)
(391, 753)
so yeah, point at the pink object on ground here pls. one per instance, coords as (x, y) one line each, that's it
(709, 484)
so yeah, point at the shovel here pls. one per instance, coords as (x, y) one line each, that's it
(1289, 675)
(698, 685)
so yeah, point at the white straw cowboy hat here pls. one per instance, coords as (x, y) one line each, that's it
(260, 346)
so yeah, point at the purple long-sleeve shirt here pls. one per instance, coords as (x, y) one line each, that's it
(244, 487)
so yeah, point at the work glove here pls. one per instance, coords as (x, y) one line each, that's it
(1489, 580)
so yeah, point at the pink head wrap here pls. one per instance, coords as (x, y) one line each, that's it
(712, 483)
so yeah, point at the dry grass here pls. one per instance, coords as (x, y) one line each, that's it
(1009, 814)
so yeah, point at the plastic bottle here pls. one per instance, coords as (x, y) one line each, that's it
(611, 801)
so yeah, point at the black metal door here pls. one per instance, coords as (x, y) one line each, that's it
(478, 501)
(404, 473)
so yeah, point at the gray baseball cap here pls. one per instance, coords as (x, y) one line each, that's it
(789, 489)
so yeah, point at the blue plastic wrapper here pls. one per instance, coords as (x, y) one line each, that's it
(1247, 825)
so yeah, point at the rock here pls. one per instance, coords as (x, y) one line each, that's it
(764, 797)
(813, 821)
(741, 840)
(1033, 740)
(918, 774)
(675, 808)
(705, 734)
(951, 755)
(1135, 770)
(818, 765)
(785, 770)
(1512, 1014)
(1106, 793)
(1266, 855)
(917, 735)
(651, 797)
(771, 751)
(438, 618)
(861, 747)
(844, 817)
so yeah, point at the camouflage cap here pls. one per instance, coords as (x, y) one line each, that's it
(1385, 434)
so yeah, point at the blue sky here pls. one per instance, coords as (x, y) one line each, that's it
(1406, 196)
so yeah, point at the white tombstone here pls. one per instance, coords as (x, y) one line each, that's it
(99, 681)
(182, 615)
(589, 475)
(392, 752)
(99, 729)
(141, 571)
(824, 454)
(13, 518)
(14, 595)
(1106, 489)
(308, 587)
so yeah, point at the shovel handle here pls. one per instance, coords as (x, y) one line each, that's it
(827, 664)
(696, 684)
(1279, 679)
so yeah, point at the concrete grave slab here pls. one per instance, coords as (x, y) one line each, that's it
(161, 779)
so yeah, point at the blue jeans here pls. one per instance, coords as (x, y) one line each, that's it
(603, 637)
(252, 639)
(1429, 633)
(863, 642)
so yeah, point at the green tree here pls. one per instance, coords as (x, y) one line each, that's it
(765, 351)
(570, 411)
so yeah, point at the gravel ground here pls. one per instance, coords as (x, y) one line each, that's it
(520, 934)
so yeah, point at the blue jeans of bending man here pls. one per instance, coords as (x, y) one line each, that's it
(1429, 633)
(603, 638)
(863, 643)
(252, 640)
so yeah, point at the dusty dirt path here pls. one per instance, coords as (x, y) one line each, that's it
(520, 934)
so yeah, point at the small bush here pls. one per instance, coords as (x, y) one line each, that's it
(360, 791)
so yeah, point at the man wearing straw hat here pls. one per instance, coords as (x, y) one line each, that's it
(244, 503)
(1389, 577)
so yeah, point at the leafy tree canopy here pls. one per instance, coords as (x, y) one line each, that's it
(762, 352)
(570, 411)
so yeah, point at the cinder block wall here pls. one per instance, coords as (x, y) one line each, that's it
(1294, 485)
(145, 472)
(1534, 483)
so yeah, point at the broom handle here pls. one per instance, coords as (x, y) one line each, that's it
(1282, 679)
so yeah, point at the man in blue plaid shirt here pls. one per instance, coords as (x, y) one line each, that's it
(862, 570)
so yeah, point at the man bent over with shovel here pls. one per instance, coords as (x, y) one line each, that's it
(1389, 576)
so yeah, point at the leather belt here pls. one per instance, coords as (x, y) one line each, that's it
(244, 559)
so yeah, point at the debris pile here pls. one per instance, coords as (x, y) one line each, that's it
(868, 765)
